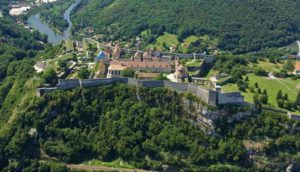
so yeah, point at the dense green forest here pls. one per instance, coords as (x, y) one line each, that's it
(147, 128)
(239, 25)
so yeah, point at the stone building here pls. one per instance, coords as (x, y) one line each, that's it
(152, 66)
(117, 52)
(181, 72)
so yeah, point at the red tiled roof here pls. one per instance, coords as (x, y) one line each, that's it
(147, 75)
(143, 64)
(297, 66)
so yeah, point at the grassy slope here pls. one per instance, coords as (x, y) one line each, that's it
(25, 98)
(272, 87)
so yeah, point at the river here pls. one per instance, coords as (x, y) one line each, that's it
(54, 37)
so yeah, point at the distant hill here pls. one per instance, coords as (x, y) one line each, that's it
(240, 25)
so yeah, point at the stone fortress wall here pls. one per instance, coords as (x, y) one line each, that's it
(210, 97)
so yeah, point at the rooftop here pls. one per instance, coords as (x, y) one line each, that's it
(142, 64)
(297, 66)
(147, 75)
(116, 67)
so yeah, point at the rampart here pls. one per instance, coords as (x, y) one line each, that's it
(209, 97)
(293, 116)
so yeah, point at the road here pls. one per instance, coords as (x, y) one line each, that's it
(101, 168)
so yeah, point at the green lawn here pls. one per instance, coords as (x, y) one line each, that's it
(195, 63)
(191, 39)
(69, 45)
(168, 38)
(53, 63)
(288, 86)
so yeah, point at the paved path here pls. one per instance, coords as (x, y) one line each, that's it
(191, 61)
(101, 168)
(294, 92)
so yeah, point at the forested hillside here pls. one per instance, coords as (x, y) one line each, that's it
(239, 25)
(146, 128)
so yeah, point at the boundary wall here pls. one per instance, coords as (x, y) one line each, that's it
(209, 97)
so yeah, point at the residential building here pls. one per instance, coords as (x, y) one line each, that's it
(152, 66)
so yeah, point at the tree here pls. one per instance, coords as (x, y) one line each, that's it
(280, 103)
(256, 99)
(285, 97)
(62, 63)
(288, 105)
(259, 91)
(74, 58)
(297, 102)
(241, 85)
(279, 95)
(265, 92)
(50, 77)
(128, 73)
(260, 72)
(264, 99)
(83, 73)
(289, 66)
(252, 89)
(256, 84)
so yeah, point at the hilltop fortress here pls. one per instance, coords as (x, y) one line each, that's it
(210, 97)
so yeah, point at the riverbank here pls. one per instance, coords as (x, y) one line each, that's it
(55, 35)
(54, 17)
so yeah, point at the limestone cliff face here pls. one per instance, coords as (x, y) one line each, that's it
(206, 115)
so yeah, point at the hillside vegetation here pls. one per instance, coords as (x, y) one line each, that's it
(146, 128)
(239, 25)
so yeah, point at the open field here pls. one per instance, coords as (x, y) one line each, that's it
(167, 38)
(270, 67)
(289, 86)
(191, 39)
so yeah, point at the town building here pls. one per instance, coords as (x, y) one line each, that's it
(181, 72)
(117, 52)
(152, 66)
(100, 56)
